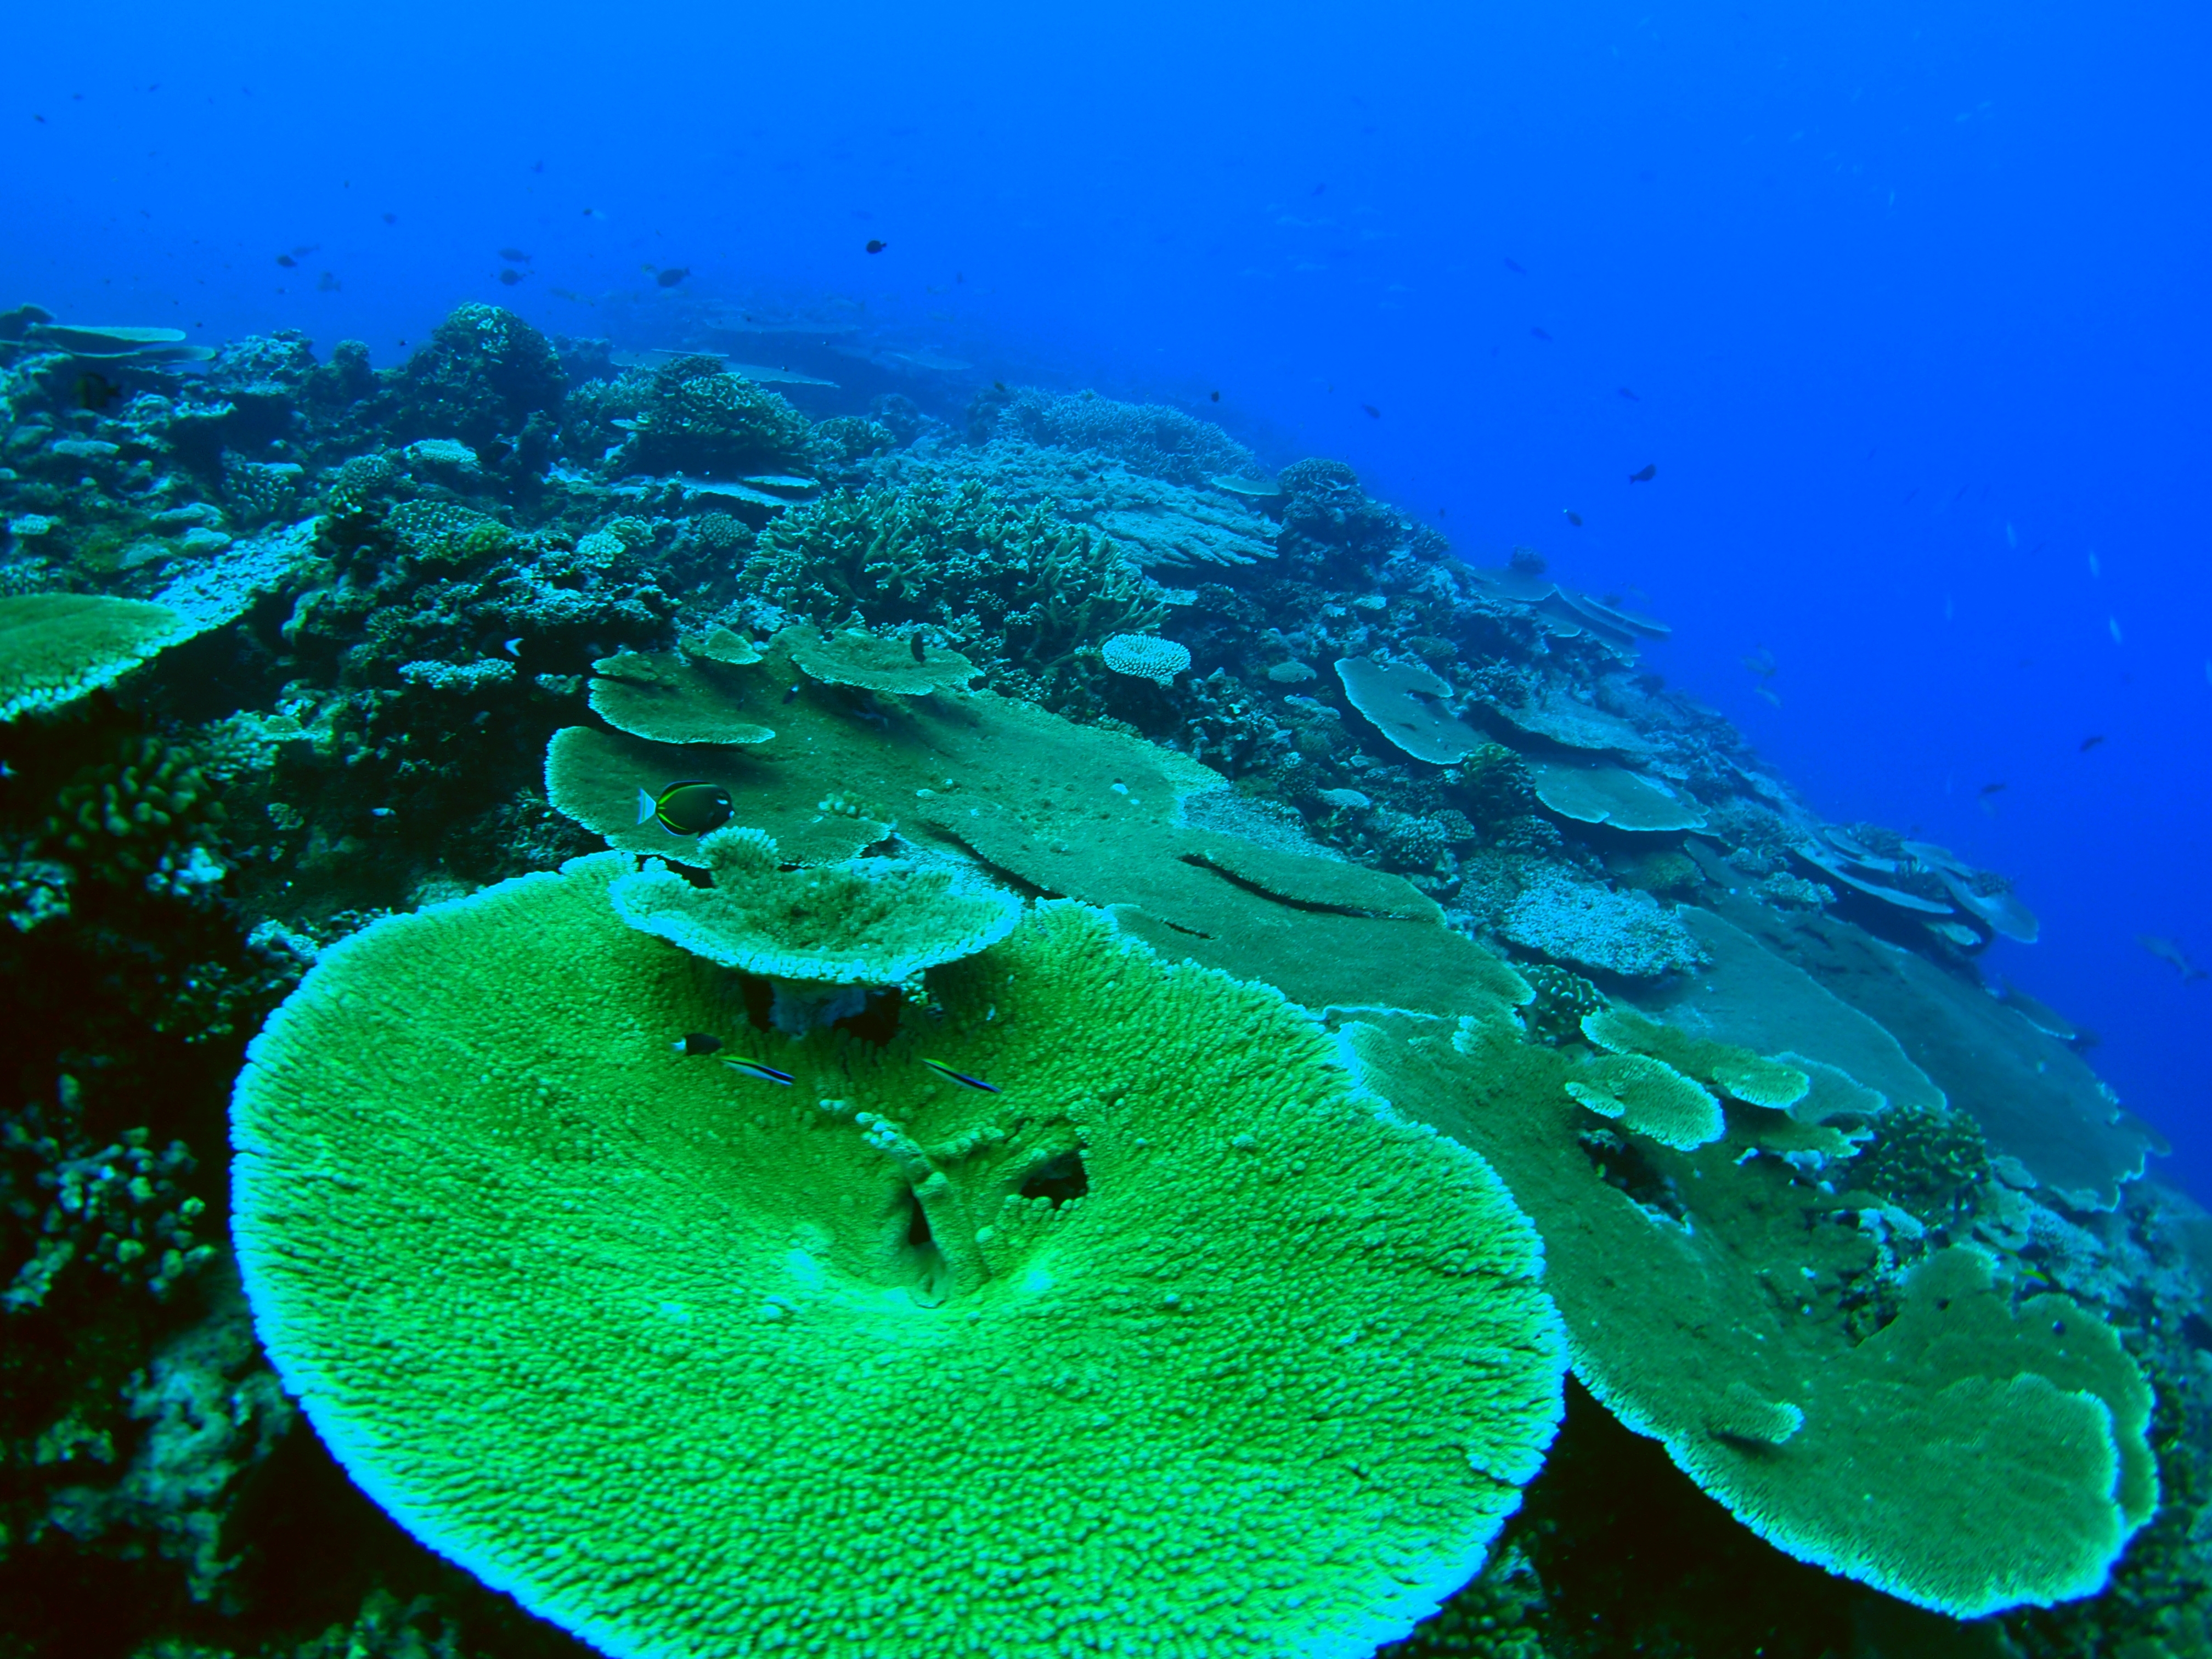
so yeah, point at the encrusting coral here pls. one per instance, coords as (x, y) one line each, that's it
(872, 921)
(1176, 1342)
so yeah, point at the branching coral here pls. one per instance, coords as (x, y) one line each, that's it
(484, 373)
(116, 1208)
(1014, 589)
(697, 418)
(119, 818)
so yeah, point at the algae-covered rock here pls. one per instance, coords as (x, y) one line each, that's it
(1228, 1356)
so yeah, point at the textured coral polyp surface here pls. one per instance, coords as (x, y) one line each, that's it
(1200, 1352)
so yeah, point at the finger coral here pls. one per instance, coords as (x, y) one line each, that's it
(1178, 1344)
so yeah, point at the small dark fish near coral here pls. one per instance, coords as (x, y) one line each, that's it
(1373, 413)
(2167, 951)
(673, 275)
(2089, 743)
(1645, 473)
(1994, 788)
(695, 1043)
(509, 276)
(95, 390)
(286, 261)
(919, 653)
(759, 1069)
(514, 256)
(877, 246)
(960, 1078)
(1214, 397)
(1573, 517)
(689, 808)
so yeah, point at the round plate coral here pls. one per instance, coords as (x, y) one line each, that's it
(1175, 1344)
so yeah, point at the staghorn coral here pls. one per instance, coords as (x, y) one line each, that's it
(1154, 1214)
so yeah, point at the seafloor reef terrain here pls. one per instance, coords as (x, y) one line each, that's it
(1186, 1074)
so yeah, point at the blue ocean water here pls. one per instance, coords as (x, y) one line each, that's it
(1904, 305)
(1867, 348)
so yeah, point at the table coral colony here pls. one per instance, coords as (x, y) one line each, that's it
(1232, 1083)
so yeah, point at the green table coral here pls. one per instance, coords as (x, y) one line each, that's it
(872, 921)
(1181, 1345)
(872, 663)
(1065, 810)
(1742, 1075)
(1929, 1437)
(1649, 1097)
(57, 647)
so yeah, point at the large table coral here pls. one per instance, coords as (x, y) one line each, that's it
(1927, 1433)
(1177, 1344)
(57, 647)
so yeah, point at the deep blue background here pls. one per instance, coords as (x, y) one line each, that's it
(1912, 301)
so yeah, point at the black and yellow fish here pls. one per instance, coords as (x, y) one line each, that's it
(688, 808)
